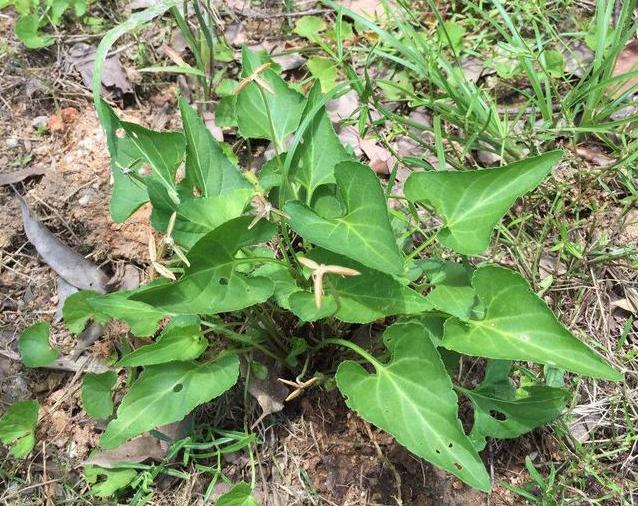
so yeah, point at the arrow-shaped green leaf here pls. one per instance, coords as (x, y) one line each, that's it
(520, 412)
(272, 113)
(412, 398)
(363, 233)
(315, 159)
(166, 393)
(181, 340)
(472, 202)
(519, 326)
(357, 299)
(212, 283)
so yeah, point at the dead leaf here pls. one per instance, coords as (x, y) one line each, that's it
(627, 62)
(235, 34)
(381, 160)
(269, 393)
(473, 68)
(343, 107)
(64, 291)
(290, 61)
(73, 267)
(21, 175)
(577, 58)
(594, 155)
(365, 7)
(209, 121)
(141, 447)
(630, 302)
(115, 83)
(134, 451)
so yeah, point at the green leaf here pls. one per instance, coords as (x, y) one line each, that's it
(27, 30)
(17, 427)
(452, 292)
(364, 232)
(166, 393)
(212, 284)
(239, 495)
(34, 346)
(554, 62)
(264, 114)
(197, 216)
(321, 150)
(472, 202)
(412, 398)
(96, 393)
(451, 34)
(208, 169)
(114, 479)
(226, 112)
(280, 275)
(502, 412)
(359, 299)
(181, 340)
(77, 310)
(303, 305)
(309, 27)
(324, 70)
(163, 151)
(141, 318)
(519, 326)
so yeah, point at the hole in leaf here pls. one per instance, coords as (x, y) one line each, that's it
(178, 388)
(223, 281)
(458, 466)
(120, 133)
(498, 415)
(197, 192)
(450, 445)
(438, 452)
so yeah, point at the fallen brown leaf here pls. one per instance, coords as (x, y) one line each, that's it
(627, 62)
(21, 175)
(68, 264)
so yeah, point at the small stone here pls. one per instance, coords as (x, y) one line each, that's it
(12, 142)
(39, 122)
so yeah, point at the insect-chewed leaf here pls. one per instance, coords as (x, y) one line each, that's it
(181, 340)
(519, 326)
(34, 346)
(412, 398)
(357, 299)
(266, 114)
(315, 159)
(212, 283)
(17, 427)
(166, 393)
(520, 412)
(364, 232)
(130, 193)
(97, 398)
(452, 292)
(208, 169)
(472, 202)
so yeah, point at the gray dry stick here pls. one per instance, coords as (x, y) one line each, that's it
(70, 265)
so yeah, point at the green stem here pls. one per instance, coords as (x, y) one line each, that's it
(234, 336)
(354, 347)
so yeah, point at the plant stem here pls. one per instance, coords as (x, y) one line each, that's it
(354, 347)
(234, 336)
